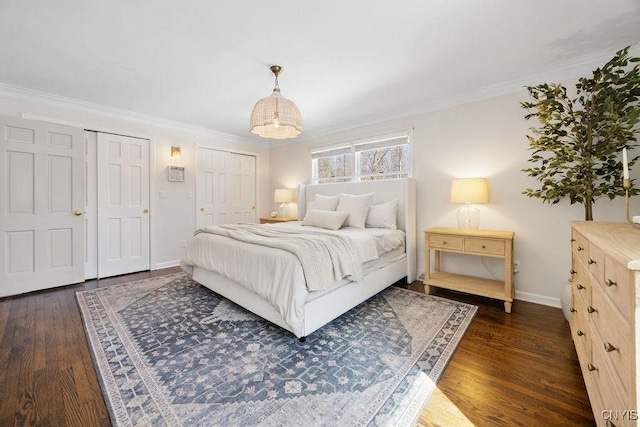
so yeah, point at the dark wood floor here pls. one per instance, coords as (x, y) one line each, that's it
(510, 369)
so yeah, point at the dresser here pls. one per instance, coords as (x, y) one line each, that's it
(491, 243)
(605, 277)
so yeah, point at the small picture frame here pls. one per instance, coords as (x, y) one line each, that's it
(176, 173)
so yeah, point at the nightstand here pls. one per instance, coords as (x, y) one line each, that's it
(492, 243)
(270, 220)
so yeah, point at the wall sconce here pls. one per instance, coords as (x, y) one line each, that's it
(283, 195)
(175, 153)
(468, 191)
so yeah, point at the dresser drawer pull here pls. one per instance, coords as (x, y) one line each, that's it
(608, 347)
(572, 240)
(610, 283)
(591, 310)
(591, 368)
(590, 261)
(580, 287)
(580, 248)
(444, 242)
(573, 310)
(580, 333)
(484, 246)
(572, 271)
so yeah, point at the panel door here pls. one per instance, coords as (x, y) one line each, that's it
(41, 202)
(212, 187)
(90, 205)
(242, 187)
(123, 204)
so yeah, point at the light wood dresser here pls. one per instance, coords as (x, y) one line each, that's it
(605, 277)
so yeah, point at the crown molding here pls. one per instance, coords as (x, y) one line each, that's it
(30, 95)
(484, 92)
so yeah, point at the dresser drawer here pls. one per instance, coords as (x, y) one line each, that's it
(612, 392)
(484, 246)
(582, 283)
(580, 246)
(612, 332)
(617, 285)
(595, 262)
(581, 334)
(445, 241)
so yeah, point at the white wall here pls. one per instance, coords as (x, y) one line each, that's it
(173, 217)
(484, 138)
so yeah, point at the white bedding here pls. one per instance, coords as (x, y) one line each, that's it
(274, 274)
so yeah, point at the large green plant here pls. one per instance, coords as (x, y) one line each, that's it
(577, 146)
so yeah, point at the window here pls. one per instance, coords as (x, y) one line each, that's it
(364, 160)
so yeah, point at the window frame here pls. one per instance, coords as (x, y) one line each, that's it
(354, 147)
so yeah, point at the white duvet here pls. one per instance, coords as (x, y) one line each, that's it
(274, 274)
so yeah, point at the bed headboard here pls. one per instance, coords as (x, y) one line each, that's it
(383, 191)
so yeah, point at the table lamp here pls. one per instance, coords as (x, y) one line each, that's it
(284, 196)
(469, 191)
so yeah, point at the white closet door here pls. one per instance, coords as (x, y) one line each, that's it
(242, 191)
(41, 226)
(123, 204)
(90, 205)
(225, 187)
(211, 193)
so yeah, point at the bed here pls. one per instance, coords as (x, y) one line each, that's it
(301, 311)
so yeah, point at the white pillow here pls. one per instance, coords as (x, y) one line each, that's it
(357, 207)
(383, 215)
(325, 203)
(326, 219)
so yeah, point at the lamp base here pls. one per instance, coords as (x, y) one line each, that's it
(283, 210)
(468, 217)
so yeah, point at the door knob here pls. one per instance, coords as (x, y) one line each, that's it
(253, 208)
(77, 213)
(201, 209)
(145, 211)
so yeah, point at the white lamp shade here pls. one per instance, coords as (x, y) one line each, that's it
(276, 117)
(469, 190)
(283, 195)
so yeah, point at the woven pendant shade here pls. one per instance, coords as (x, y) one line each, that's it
(275, 116)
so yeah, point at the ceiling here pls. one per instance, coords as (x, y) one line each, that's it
(346, 63)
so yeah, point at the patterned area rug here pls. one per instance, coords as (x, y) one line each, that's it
(171, 352)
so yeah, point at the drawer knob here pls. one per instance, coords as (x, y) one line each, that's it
(591, 261)
(580, 248)
(580, 287)
(580, 333)
(591, 310)
(573, 310)
(572, 271)
(608, 347)
(444, 242)
(591, 368)
(573, 240)
(484, 246)
(610, 282)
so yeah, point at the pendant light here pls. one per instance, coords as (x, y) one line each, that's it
(275, 116)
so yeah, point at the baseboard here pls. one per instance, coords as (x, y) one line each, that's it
(538, 299)
(167, 264)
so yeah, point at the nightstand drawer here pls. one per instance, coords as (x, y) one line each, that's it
(444, 241)
(484, 246)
